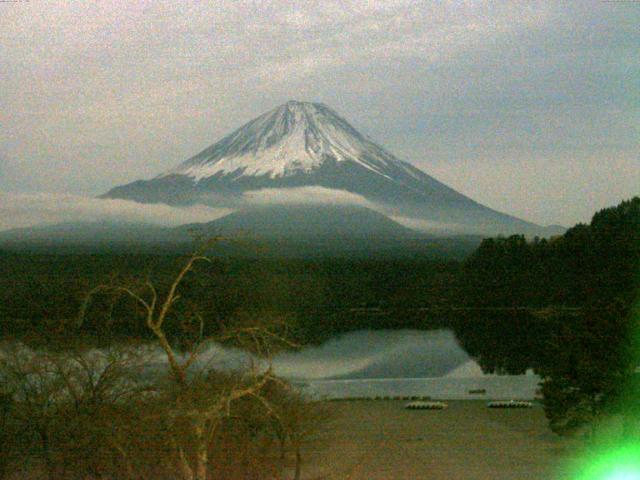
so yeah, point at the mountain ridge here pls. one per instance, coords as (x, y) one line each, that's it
(301, 144)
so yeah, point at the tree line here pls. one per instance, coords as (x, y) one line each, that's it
(574, 317)
(319, 297)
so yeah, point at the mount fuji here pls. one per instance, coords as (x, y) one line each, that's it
(299, 150)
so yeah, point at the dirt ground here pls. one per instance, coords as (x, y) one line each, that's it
(368, 440)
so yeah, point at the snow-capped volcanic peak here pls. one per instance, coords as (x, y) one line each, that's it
(296, 137)
(302, 145)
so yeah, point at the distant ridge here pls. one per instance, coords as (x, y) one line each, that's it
(310, 223)
(273, 232)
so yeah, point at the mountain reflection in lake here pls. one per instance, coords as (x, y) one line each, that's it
(398, 363)
(376, 354)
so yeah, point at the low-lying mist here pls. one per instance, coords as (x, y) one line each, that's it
(18, 210)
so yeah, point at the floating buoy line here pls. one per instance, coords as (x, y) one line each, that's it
(426, 406)
(510, 404)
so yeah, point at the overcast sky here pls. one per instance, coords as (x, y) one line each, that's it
(531, 108)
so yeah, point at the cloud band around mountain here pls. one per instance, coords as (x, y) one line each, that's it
(311, 195)
(18, 210)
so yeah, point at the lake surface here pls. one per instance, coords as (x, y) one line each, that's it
(369, 364)
(398, 363)
(386, 363)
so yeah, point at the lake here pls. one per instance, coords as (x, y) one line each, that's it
(398, 363)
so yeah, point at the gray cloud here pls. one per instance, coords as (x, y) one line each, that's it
(23, 210)
(306, 196)
(515, 104)
(328, 196)
(433, 228)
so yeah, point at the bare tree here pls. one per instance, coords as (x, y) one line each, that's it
(35, 393)
(60, 404)
(194, 404)
(7, 432)
(295, 421)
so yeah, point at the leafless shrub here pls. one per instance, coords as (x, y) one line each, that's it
(208, 424)
(60, 406)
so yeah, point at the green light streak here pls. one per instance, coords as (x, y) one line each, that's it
(620, 463)
(618, 459)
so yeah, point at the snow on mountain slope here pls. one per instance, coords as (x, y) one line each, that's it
(296, 137)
